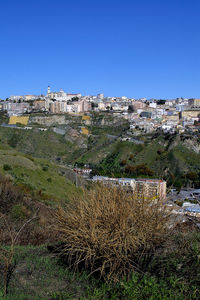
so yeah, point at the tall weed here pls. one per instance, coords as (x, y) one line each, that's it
(110, 232)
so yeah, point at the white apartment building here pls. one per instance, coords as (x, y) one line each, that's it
(149, 188)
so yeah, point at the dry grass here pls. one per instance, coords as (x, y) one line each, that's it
(110, 232)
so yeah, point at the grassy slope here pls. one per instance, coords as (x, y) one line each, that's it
(97, 150)
(37, 174)
(54, 146)
(39, 275)
(104, 150)
(39, 144)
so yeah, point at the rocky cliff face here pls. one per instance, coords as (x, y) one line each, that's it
(73, 136)
(66, 119)
(48, 120)
(108, 121)
(192, 144)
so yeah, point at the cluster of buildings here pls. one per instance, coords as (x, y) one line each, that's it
(149, 188)
(145, 115)
(53, 102)
(171, 116)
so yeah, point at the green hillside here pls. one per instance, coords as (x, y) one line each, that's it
(156, 157)
(34, 179)
(175, 158)
(39, 177)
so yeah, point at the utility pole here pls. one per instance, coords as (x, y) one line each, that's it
(76, 177)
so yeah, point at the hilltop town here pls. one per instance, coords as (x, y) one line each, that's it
(146, 115)
(138, 121)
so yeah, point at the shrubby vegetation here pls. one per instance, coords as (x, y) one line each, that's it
(7, 167)
(138, 170)
(108, 245)
(111, 232)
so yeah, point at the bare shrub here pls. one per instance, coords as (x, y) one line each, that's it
(17, 206)
(7, 253)
(110, 232)
(9, 194)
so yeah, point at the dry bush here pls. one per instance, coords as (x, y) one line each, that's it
(7, 253)
(9, 194)
(110, 232)
(17, 207)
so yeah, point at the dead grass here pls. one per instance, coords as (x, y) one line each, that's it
(110, 232)
(17, 207)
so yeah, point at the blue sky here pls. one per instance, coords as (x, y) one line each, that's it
(136, 48)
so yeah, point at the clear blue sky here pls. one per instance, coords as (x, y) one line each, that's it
(136, 48)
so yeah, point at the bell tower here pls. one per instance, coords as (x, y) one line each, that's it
(48, 90)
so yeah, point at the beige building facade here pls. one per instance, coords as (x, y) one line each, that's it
(194, 102)
(192, 113)
(142, 188)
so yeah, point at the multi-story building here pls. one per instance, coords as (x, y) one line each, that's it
(23, 97)
(16, 108)
(190, 113)
(15, 97)
(72, 107)
(83, 106)
(194, 103)
(57, 107)
(40, 105)
(102, 105)
(128, 183)
(138, 105)
(151, 188)
(143, 188)
(29, 97)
